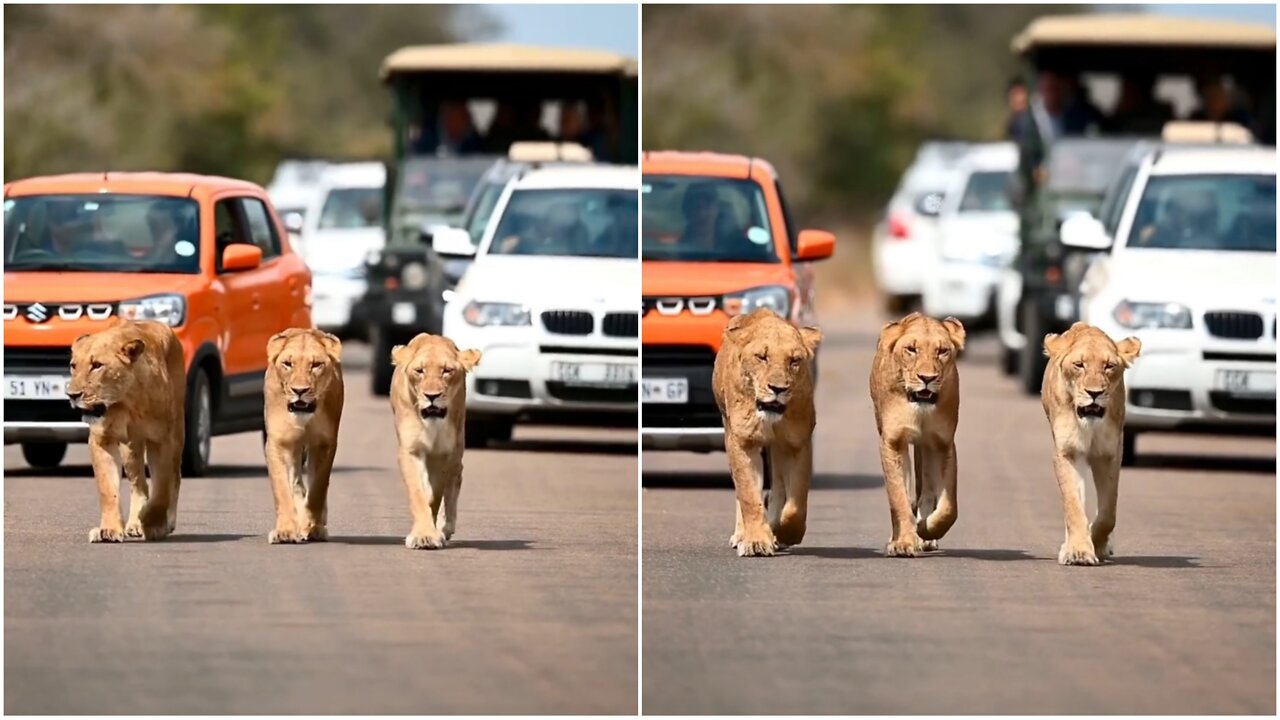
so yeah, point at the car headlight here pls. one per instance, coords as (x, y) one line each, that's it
(1136, 316)
(483, 314)
(775, 297)
(414, 276)
(168, 309)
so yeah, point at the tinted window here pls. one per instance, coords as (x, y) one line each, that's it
(987, 191)
(578, 222)
(793, 234)
(261, 229)
(1113, 206)
(349, 208)
(705, 219)
(1207, 212)
(102, 233)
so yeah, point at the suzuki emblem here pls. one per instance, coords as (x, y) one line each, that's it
(37, 313)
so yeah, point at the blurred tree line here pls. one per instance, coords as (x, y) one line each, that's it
(838, 97)
(225, 89)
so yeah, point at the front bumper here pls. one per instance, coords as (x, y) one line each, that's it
(901, 265)
(693, 425)
(18, 431)
(333, 300)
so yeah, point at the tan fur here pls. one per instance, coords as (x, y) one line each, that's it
(909, 351)
(1086, 368)
(304, 368)
(137, 371)
(764, 358)
(431, 373)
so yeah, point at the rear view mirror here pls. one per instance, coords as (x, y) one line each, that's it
(1083, 231)
(241, 256)
(452, 241)
(815, 245)
(929, 204)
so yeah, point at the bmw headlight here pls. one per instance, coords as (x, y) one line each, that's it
(414, 276)
(1136, 316)
(168, 309)
(775, 297)
(482, 314)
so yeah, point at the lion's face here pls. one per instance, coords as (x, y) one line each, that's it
(436, 373)
(1092, 367)
(303, 363)
(923, 350)
(102, 372)
(775, 355)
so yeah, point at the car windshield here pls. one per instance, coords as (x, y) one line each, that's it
(439, 185)
(987, 191)
(690, 218)
(350, 208)
(1207, 212)
(1084, 168)
(485, 203)
(592, 222)
(102, 233)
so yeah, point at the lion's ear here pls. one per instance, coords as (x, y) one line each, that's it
(811, 337)
(1129, 349)
(955, 329)
(275, 345)
(469, 359)
(400, 355)
(132, 350)
(332, 345)
(1054, 344)
(890, 333)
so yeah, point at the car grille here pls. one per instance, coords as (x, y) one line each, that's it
(568, 322)
(1161, 399)
(654, 356)
(1244, 405)
(573, 393)
(1235, 325)
(40, 411)
(622, 325)
(694, 362)
(37, 360)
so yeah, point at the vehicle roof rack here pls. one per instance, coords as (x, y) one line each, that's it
(1223, 133)
(532, 152)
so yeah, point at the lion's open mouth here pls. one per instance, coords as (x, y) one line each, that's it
(1093, 410)
(302, 406)
(433, 411)
(924, 396)
(94, 411)
(772, 406)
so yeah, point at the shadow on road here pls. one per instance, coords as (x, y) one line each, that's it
(572, 447)
(179, 539)
(704, 481)
(836, 553)
(216, 471)
(459, 544)
(1157, 561)
(1206, 463)
(989, 555)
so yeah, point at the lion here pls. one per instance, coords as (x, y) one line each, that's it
(1083, 397)
(429, 401)
(302, 406)
(763, 385)
(129, 382)
(915, 389)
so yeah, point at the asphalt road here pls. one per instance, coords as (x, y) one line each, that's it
(1184, 620)
(531, 609)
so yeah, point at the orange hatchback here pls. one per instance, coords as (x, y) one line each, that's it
(718, 240)
(205, 255)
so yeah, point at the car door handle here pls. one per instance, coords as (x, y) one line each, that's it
(257, 302)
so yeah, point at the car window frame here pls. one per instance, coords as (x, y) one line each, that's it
(276, 249)
(238, 220)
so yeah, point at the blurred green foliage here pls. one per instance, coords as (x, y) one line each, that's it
(225, 89)
(838, 97)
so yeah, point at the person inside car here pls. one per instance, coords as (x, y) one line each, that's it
(1190, 215)
(1138, 112)
(557, 232)
(1217, 104)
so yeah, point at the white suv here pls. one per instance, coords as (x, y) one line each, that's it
(550, 302)
(1191, 272)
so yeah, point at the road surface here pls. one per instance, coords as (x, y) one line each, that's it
(532, 609)
(1184, 620)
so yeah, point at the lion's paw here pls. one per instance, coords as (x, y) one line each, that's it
(758, 544)
(905, 547)
(133, 529)
(106, 535)
(425, 541)
(929, 545)
(284, 535)
(156, 532)
(315, 533)
(1077, 555)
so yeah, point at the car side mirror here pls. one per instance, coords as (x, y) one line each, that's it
(452, 241)
(928, 204)
(1084, 232)
(240, 257)
(293, 222)
(815, 245)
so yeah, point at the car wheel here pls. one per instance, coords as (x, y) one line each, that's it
(1009, 361)
(44, 455)
(382, 368)
(1033, 362)
(1129, 449)
(199, 422)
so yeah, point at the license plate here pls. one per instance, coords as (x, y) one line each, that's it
(1247, 382)
(403, 313)
(35, 387)
(600, 374)
(664, 390)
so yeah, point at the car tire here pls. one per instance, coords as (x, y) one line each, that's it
(485, 429)
(1008, 361)
(1032, 364)
(199, 424)
(44, 455)
(382, 369)
(1129, 449)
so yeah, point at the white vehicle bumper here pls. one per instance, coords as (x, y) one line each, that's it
(901, 264)
(963, 289)
(332, 298)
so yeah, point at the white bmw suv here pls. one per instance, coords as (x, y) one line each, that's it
(550, 302)
(1192, 273)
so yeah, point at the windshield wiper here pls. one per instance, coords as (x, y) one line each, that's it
(46, 267)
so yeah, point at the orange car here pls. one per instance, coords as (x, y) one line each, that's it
(718, 240)
(206, 255)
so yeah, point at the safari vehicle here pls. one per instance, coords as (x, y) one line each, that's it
(717, 241)
(206, 255)
(1166, 69)
(456, 109)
